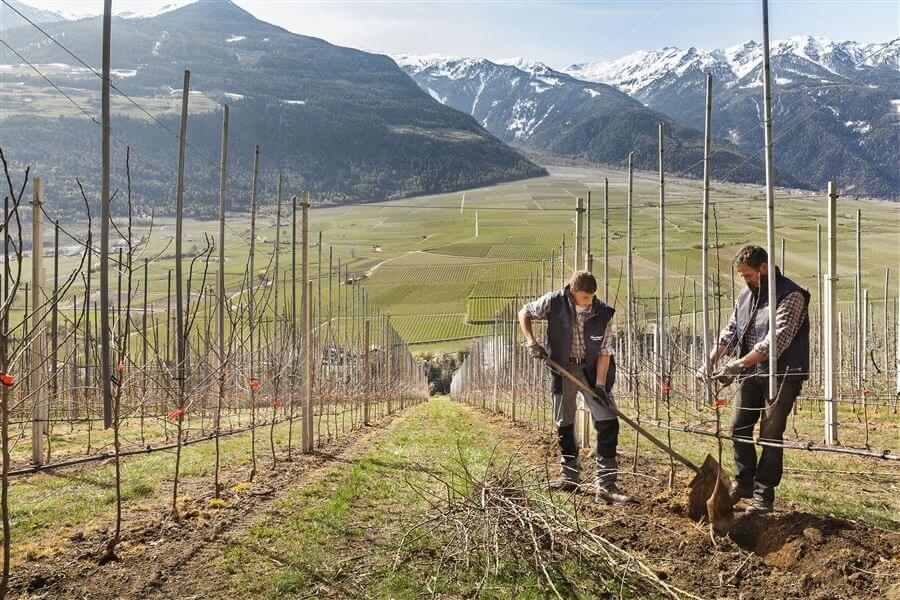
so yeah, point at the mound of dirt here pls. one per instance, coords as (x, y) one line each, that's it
(787, 554)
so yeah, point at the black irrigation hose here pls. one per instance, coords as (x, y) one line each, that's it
(149, 449)
(884, 454)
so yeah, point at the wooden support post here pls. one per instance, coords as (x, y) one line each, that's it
(662, 355)
(606, 239)
(819, 302)
(389, 362)
(220, 297)
(38, 389)
(180, 338)
(887, 341)
(704, 243)
(864, 343)
(831, 344)
(367, 382)
(858, 297)
(105, 373)
(310, 360)
(629, 283)
(251, 308)
(306, 441)
(587, 242)
(54, 317)
(579, 234)
(770, 199)
(513, 370)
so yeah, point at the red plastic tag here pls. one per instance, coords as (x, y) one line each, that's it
(721, 403)
(122, 367)
(175, 414)
(868, 392)
(278, 403)
(666, 389)
(7, 379)
(254, 384)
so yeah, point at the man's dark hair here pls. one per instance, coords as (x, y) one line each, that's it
(751, 256)
(583, 281)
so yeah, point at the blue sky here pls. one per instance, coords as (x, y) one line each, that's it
(558, 33)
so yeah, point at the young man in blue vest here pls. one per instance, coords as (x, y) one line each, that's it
(747, 332)
(579, 338)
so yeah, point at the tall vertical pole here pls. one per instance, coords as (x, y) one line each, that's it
(663, 379)
(105, 381)
(145, 342)
(864, 345)
(220, 293)
(54, 317)
(562, 257)
(860, 361)
(629, 267)
(579, 234)
(306, 437)
(770, 201)
(587, 243)
(707, 173)
(389, 362)
(251, 316)
(367, 383)
(606, 238)
(223, 178)
(295, 350)
(830, 368)
(277, 268)
(38, 390)
(819, 299)
(887, 343)
(180, 339)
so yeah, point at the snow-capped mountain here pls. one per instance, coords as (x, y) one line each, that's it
(803, 57)
(834, 102)
(529, 104)
(10, 11)
(127, 9)
(346, 124)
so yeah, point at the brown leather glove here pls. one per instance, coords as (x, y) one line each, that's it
(537, 351)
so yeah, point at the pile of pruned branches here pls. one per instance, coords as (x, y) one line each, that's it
(506, 519)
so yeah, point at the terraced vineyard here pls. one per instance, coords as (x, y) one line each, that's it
(420, 257)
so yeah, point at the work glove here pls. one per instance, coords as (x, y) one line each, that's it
(602, 394)
(701, 373)
(726, 375)
(537, 351)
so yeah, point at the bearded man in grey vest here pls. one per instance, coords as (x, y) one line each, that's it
(747, 332)
(579, 339)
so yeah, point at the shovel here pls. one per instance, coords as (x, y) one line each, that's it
(709, 490)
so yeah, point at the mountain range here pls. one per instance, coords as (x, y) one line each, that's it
(835, 107)
(835, 103)
(351, 125)
(9, 18)
(345, 124)
(535, 107)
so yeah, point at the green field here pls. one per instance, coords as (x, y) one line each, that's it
(420, 258)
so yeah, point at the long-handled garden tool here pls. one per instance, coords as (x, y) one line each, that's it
(709, 490)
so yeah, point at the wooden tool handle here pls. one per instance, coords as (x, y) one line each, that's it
(585, 389)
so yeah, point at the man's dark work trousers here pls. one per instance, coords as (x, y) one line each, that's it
(753, 405)
(568, 452)
(607, 440)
